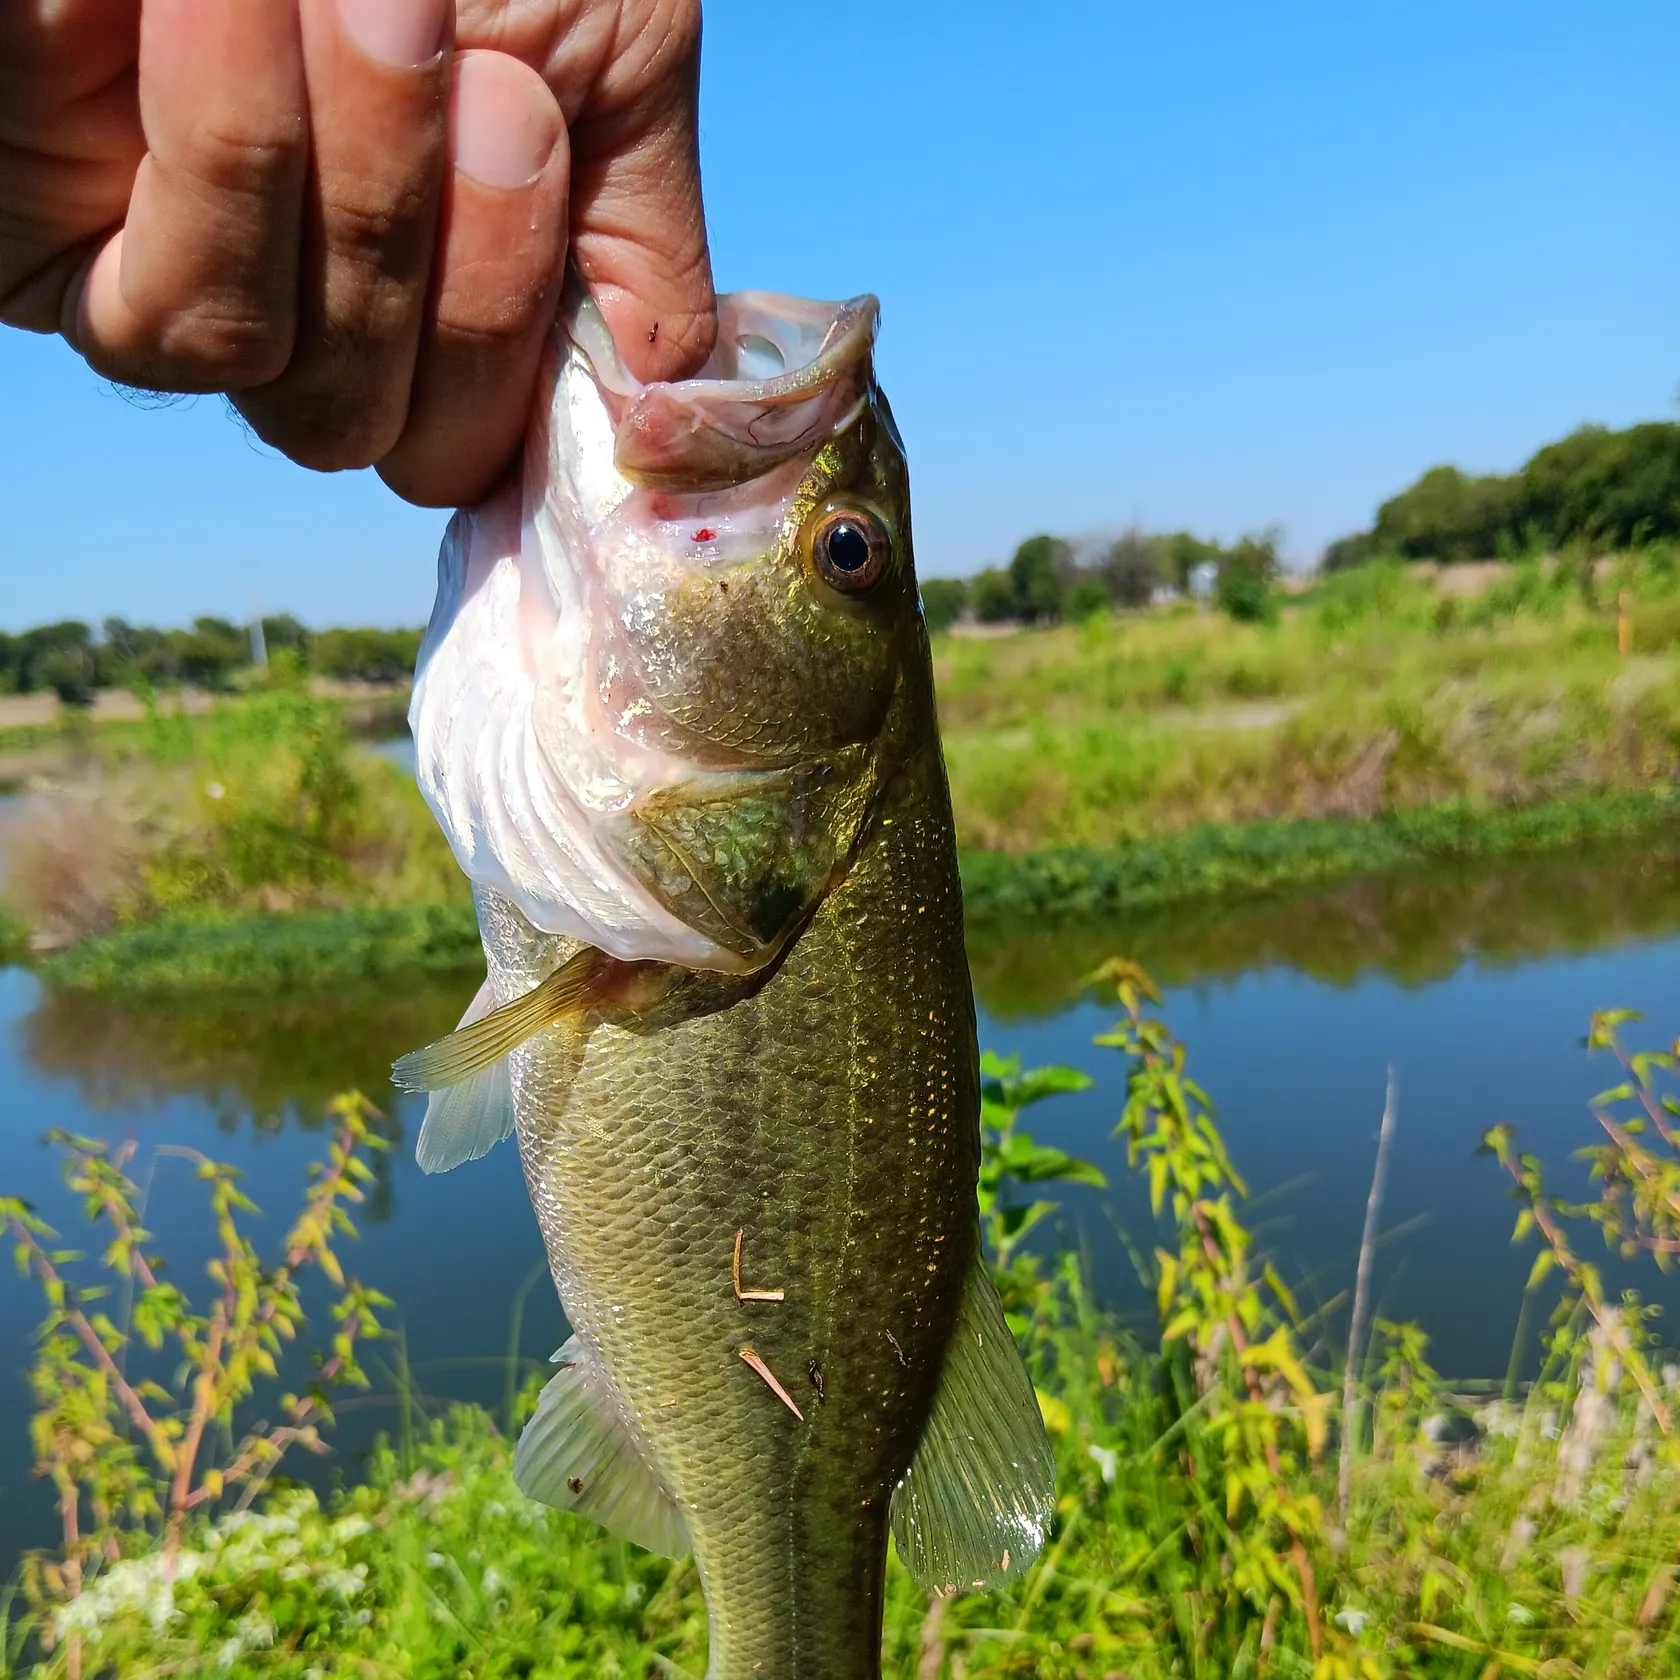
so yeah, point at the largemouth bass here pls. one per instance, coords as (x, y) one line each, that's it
(675, 713)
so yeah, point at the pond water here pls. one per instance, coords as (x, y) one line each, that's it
(1476, 985)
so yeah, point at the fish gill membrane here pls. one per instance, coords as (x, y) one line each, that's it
(674, 712)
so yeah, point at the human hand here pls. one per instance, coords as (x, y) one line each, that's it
(353, 215)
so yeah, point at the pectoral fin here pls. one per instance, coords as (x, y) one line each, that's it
(577, 1454)
(975, 1505)
(472, 1048)
(467, 1120)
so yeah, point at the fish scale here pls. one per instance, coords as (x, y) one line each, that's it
(817, 1118)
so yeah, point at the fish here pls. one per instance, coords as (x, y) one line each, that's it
(674, 711)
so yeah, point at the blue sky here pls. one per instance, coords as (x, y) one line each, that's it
(1215, 266)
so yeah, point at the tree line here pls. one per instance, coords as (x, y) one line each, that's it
(74, 660)
(1612, 490)
(1048, 580)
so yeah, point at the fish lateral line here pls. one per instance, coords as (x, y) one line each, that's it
(750, 1294)
(750, 1358)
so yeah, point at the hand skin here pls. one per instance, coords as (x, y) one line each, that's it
(353, 215)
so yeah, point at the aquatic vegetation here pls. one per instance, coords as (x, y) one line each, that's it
(1251, 859)
(1530, 1531)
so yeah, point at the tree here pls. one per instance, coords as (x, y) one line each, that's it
(1350, 551)
(993, 594)
(1181, 553)
(367, 655)
(1447, 516)
(68, 672)
(282, 631)
(944, 601)
(1041, 573)
(1617, 489)
(1247, 574)
(1133, 569)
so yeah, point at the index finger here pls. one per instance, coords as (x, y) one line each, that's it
(627, 77)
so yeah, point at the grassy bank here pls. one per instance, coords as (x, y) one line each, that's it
(264, 804)
(1230, 1503)
(1117, 766)
(372, 945)
(199, 952)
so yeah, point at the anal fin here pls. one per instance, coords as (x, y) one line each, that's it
(975, 1506)
(577, 1454)
(468, 1120)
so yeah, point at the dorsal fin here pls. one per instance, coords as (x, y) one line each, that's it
(577, 1454)
(471, 1048)
(976, 1503)
(468, 1120)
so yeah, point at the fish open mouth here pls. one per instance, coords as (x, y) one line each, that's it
(786, 374)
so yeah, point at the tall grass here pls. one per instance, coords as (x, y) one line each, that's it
(265, 804)
(1375, 696)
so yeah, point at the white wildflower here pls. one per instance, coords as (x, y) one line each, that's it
(1107, 1460)
(342, 1584)
(1353, 1620)
(1573, 1563)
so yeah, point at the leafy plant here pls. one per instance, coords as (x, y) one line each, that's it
(1532, 1536)
(1012, 1160)
(134, 1459)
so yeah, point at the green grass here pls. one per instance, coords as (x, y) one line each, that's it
(1372, 698)
(345, 948)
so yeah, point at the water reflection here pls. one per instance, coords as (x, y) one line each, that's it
(1415, 928)
(258, 1063)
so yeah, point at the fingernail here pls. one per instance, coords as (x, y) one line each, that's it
(504, 120)
(401, 33)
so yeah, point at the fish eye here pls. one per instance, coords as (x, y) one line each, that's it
(851, 549)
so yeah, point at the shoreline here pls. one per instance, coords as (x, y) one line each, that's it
(1235, 864)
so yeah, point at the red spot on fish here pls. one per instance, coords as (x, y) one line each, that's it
(705, 534)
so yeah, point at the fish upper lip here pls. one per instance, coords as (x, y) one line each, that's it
(716, 430)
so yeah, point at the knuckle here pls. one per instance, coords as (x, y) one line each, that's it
(257, 167)
(201, 347)
(381, 232)
(321, 430)
(479, 309)
(229, 346)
